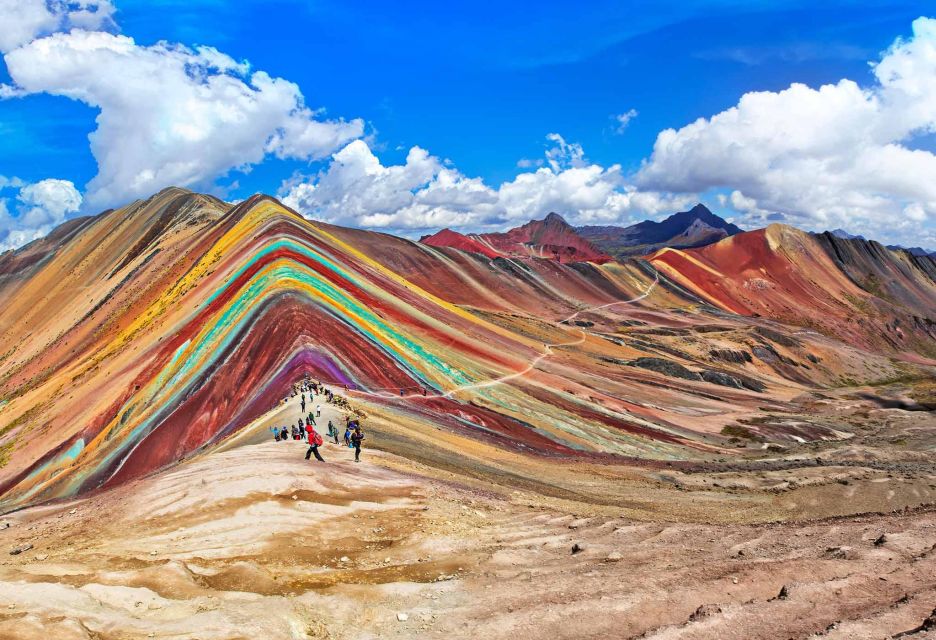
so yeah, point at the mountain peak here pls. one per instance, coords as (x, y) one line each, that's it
(455, 240)
(555, 218)
(693, 228)
(841, 233)
(550, 238)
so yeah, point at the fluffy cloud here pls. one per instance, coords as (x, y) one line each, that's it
(24, 20)
(426, 193)
(39, 207)
(170, 115)
(839, 155)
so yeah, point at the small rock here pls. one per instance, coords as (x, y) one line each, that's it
(784, 593)
(614, 556)
(4, 525)
(295, 497)
(344, 559)
(839, 553)
(153, 552)
(73, 512)
(402, 617)
(15, 551)
(577, 548)
(734, 581)
(880, 540)
(704, 611)
(41, 556)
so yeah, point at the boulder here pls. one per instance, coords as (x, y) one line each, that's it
(666, 367)
(731, 355)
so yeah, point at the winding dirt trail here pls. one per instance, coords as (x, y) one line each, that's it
(547, 352)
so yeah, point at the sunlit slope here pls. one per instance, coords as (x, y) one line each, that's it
(213, 321)
(858, 291)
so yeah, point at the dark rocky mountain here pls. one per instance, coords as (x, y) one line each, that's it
(914, 251)
(694, 228)
(841, 233)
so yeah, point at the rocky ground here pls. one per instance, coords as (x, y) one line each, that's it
(252, 541)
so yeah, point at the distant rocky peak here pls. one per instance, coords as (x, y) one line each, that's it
(555, 218)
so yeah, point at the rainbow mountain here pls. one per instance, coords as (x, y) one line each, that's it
(149, 334)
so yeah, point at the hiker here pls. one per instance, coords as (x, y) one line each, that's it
(401, 393)
(347, 435)
(275, 433)
(314, 441)
(302, 404)
(310, 418)
(318, 411)
(284, 434)
(356, 439)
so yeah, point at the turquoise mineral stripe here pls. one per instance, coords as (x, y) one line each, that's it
(223, 331)
(69, 455)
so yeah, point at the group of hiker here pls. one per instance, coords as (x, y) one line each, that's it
(305, 427)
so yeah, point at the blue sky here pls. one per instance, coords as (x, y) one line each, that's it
(480, 85)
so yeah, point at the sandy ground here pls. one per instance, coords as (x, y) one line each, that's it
(253, 541)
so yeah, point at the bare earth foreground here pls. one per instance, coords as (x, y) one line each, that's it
(252, 541)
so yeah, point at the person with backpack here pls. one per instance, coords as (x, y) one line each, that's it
(315, 441)
(284, 434)
(356, 437)
(302, 403)
(332, 431)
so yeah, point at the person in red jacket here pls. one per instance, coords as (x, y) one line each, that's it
(314, 441)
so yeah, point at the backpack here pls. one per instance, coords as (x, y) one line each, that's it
(317, 438)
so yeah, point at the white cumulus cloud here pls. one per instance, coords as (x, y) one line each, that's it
(37, 209)
(426, 193)
(837, 155)
(24, 20)
(171, 115)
